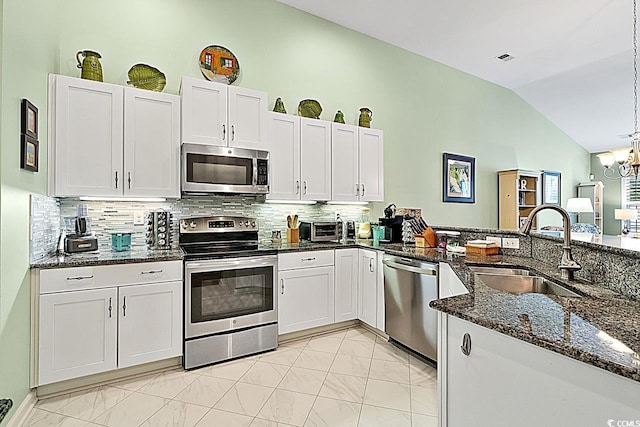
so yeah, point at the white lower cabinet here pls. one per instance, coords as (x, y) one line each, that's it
(150, 323)
(368, 287)
(78, 334)
(305, 298)
(87, 331)
(346, 284)
(505, 382)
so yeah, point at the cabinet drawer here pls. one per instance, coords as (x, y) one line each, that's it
(76, 278)
(305, 259)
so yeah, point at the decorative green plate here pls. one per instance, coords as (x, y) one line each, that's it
(147, 77)
(219, 64)
(309, 108)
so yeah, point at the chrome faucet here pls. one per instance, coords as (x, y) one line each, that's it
(567, 264)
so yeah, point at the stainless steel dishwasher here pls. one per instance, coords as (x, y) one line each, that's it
(409, 285)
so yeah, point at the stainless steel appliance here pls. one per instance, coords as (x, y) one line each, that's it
(77, 234)
(230, 290)
(351, 230)
(158, 232)
(213, 169)
(326, 231)
(409, 286)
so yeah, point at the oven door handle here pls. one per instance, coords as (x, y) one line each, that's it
(221, 264)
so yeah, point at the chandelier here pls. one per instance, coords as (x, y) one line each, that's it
(627, 159)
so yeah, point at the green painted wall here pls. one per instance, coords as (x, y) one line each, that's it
(424, 107)
(612, 197)
(29, 53)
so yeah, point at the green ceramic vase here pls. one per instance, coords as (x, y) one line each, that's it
(90, 65)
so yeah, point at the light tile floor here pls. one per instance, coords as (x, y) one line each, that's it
(348, 378)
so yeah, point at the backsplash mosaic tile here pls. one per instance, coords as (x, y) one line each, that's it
(107, 216)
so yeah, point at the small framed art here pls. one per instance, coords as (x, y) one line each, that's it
(29, 153)
(29, 115)
(458, 178)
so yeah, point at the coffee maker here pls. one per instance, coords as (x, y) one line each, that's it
(392, 225)
(77, 232)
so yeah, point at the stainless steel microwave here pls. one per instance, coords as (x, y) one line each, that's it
(327, 231)
(213, 169)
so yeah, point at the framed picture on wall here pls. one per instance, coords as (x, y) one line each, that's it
(458, 178)
(29, 153)
(29, 115)
(551, 188)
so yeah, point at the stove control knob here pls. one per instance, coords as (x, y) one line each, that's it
(246, 223)
(193, 224)
(253, 224)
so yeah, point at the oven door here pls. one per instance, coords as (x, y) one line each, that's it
(212, 169)
(227, 294)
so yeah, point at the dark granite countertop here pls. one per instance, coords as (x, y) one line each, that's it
(602, 328)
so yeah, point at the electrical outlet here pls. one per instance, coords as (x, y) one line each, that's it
(138, 217)
(511, 242)
(494, 239)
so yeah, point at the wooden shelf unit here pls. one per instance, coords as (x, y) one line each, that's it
(516, 202)
(593, 191)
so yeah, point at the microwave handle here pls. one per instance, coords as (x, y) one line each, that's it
(254, 179)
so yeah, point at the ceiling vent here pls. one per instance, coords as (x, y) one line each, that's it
(626, 136)
(505, 57)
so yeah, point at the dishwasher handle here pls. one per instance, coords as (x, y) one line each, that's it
(420, 270)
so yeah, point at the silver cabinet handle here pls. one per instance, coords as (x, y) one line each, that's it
(151, 272)
(129, 179)
(466, 345)
(282, 286)
(233, 132)
(363, 190)
(224, 131)
(297, 187)
(308, 259)
(304, 186)
(371, 265)
(80, 278)
(116, 179)
(109, 308)
(357, 190)
(124, 307)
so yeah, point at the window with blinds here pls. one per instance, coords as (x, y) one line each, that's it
(631, 199)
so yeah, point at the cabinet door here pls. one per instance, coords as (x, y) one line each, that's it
(346, 284)
(371, 165)
(150, 318)
(151, 144)
(315, 159)
(77, 334)
(367, 287)
(305, 298)
(87, 143)
(247, 118)
(284, 157)
(204, 112)
(345, 183)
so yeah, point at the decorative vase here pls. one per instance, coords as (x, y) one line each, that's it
(90, 65)
(279, 106)
(365, 117)
(339, 118)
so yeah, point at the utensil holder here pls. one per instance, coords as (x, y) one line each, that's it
(293, 235)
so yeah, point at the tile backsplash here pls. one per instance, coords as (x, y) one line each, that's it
(107, 216)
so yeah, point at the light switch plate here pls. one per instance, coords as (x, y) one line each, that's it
(494, 239)
(511, 242)
(138, 217)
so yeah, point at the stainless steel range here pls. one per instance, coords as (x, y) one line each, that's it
(230, 292)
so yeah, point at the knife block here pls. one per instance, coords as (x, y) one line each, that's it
(293, 235)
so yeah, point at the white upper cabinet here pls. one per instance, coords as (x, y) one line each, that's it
(218, 114)
(371, 165)
(108, 140)
(315, 159)
(344, 163)
(357, 167)
(151, 144)
(284, 156)
(85, 134)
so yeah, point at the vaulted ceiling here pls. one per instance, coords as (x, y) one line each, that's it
(572, 59)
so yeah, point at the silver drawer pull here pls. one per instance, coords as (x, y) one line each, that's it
(151, 272)
(80, 278)
(308, 259)
(466, 345)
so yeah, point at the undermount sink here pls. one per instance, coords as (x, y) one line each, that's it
(519, 281)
